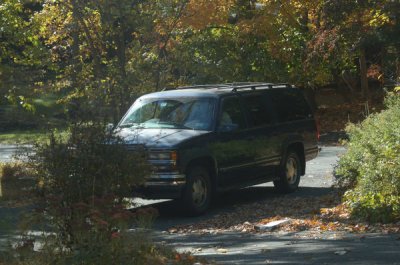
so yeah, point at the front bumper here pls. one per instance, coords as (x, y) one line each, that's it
(163, 186)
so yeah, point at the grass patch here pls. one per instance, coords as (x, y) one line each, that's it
(29, 136)
(26, 125)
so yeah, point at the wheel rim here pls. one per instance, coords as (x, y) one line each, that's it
(291, 170)
(199, 192)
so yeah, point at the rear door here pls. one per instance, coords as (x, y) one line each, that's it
(295, 120)
(262, 135)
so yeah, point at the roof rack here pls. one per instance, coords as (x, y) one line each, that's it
(210, 86)
(235, 86)
(253, 86)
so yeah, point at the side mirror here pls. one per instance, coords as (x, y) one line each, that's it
(109, 127)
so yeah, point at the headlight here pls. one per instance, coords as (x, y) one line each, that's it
(163, 155)
(164, 161)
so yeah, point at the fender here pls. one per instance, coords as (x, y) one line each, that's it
(295, 140)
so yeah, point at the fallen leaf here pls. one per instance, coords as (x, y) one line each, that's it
(172, 230)
(341, 252)
(222, 250)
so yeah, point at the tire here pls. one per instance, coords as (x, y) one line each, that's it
(289, 173)
(196, 196)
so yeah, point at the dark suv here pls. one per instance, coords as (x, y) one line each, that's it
(210, 138)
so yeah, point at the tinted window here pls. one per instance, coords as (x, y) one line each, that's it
(257, 110)
(231, 113)
(289, 104)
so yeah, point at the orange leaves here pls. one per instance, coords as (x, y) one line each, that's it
(270, 219)
(194, 14)
(334, 114)
(315, 215)
(340, 211)
(183, 258)
(202, 13)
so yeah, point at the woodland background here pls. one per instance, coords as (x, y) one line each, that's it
(70, 59)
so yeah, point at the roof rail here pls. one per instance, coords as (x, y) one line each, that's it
(209, 86)
(206, 86)
(253, 86)
(234, 86)
(286, 85)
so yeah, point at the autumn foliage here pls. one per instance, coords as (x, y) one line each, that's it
(371, 168)
(106, 53)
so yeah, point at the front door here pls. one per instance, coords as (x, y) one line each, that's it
(232, 149)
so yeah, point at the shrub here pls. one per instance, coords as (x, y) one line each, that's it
(14, 170)
(83, 182)
(16, 182)
(370, 169)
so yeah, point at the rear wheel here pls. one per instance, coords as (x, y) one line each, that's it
(197, 193)
(289, 173)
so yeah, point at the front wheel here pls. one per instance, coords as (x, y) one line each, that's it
(289, 173)
(197, 193)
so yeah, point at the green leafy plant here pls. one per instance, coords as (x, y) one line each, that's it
(16, 182)
(83, 182)
(82, 185)
(370, 169)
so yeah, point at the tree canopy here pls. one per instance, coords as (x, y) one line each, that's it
(99, 55)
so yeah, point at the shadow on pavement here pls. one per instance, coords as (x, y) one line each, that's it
(225, 201)
(254, 249)
(171, 213)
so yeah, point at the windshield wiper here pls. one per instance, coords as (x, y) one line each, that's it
(130, 125)
(175, 124)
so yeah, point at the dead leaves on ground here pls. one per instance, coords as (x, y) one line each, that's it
(334, 118)
(313, 214)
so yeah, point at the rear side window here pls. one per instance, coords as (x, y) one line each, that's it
(257, 110)
(289, 104)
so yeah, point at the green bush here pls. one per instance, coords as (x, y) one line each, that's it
(81, 207)
(82, 185)
(91, 170)
(370, 169)
(16, 182)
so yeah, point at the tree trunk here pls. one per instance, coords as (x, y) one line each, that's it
(398, 68)
(75, 43)
(121, 57)
(363, 74)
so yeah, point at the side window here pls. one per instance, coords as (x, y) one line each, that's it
(257, 110)
(290, 105)
(231, 116)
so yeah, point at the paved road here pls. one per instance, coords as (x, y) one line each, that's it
(257, 249)
(278, 248)
(8, 151)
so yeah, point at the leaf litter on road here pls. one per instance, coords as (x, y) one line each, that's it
(314, 214)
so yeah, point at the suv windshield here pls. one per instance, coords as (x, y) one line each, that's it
(180, 113)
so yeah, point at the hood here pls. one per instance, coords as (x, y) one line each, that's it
(157, 137)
